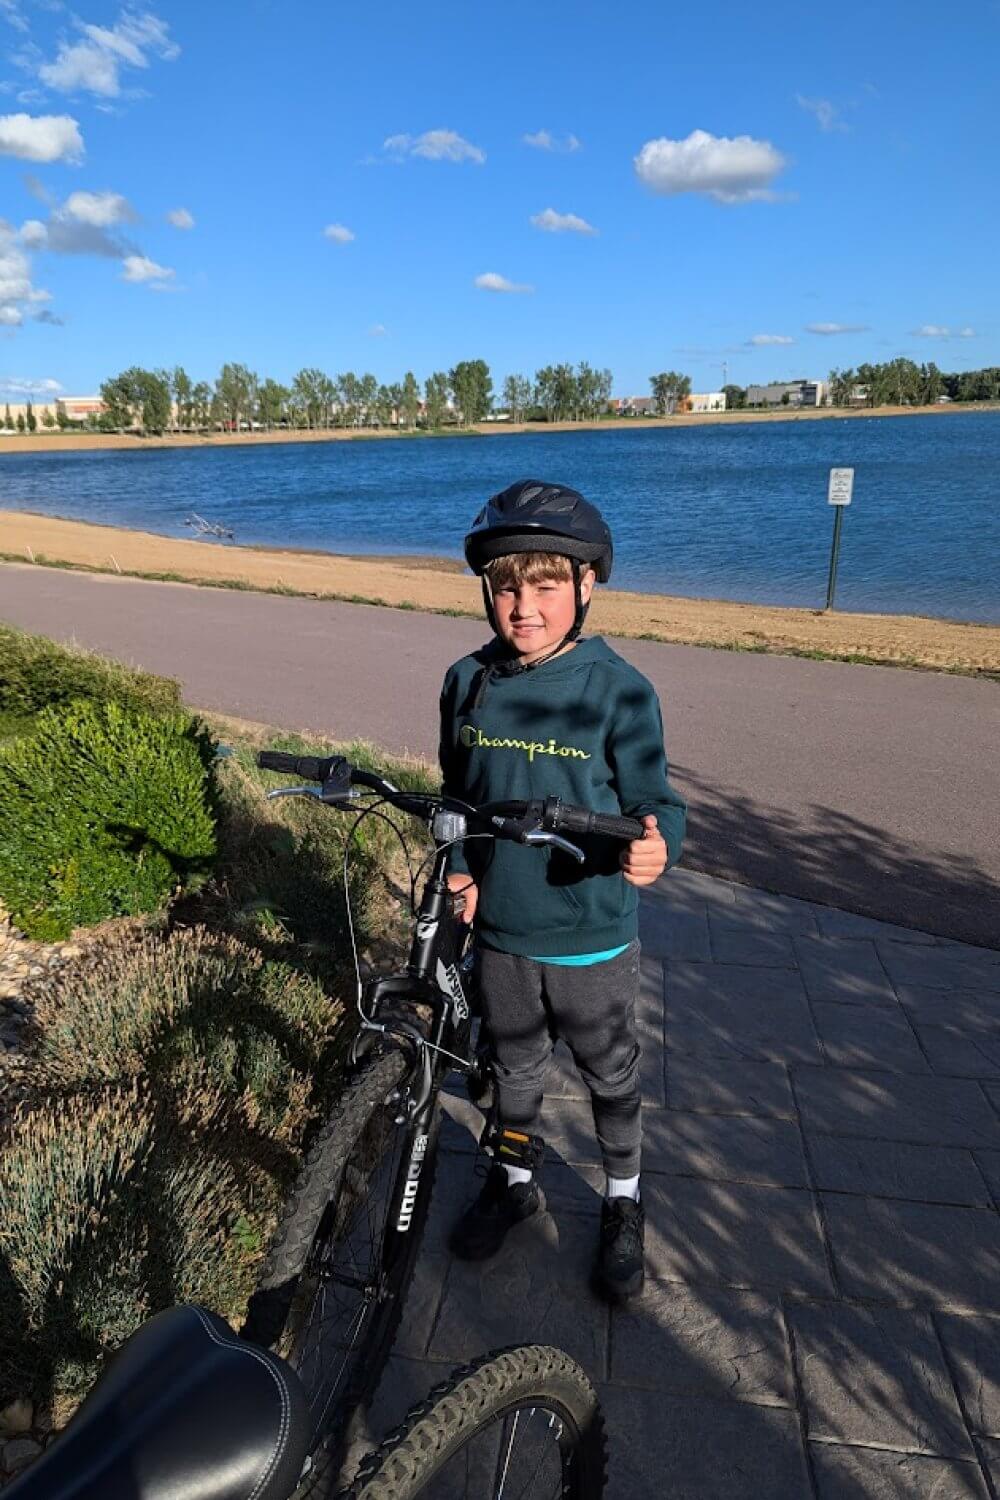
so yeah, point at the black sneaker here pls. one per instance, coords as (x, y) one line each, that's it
(621, 1262)
(481, 1230)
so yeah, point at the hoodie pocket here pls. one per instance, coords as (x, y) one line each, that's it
(519, 895)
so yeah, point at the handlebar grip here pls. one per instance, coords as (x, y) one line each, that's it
(309, 767)
(568, 819)
(617, 827)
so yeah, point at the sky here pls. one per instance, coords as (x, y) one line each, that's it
(764, 191)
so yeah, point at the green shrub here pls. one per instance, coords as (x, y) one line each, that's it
(228, 1039)
(107, 1217)
(104, 811)
(37, 673)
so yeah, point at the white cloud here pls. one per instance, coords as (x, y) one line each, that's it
(339, 233)
(14, 386)
(40, 137)
(555, 223)
(16, 287)
(827, 113)
(936, 331)
(181, 218)
(139, 268)
(738, 170)
(34, 234)
(434, 145)
(543, 140)
(98, 209)
(761, 340)
(95, 63)
(490, 281)
(378, 331)
(11, 12)
(836, 328)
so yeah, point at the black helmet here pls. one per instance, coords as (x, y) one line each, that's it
(532, 516)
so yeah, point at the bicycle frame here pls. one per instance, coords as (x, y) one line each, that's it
(433, 978)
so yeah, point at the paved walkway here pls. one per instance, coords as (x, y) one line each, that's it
(822, 1180)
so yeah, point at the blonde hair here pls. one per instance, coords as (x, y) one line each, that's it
(516, 568)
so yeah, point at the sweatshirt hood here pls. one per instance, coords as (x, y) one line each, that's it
(497, 664)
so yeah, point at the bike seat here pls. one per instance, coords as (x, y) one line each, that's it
(185, 1411)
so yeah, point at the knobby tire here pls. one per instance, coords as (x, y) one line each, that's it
(492, 1387)
(333, 1191)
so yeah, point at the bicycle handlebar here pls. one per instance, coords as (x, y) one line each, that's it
(506, 819)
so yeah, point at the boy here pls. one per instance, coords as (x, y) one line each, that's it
(540, 713)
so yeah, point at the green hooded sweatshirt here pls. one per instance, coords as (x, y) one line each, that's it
(585, 727)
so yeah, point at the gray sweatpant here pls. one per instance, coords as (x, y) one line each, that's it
(591, 1007)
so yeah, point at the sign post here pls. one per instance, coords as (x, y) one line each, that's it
(838, 494)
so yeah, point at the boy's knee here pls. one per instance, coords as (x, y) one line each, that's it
(621, 1082)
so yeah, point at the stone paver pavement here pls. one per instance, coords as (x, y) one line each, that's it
(822, 1182)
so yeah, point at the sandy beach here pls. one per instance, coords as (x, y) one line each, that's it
(49, 442)
(439, 585)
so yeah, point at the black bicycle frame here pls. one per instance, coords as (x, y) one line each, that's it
(433, 977)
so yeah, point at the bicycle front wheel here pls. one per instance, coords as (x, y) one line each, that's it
(328, 1300)
(522, 1422)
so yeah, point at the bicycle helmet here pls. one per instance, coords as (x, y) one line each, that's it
(533, 516)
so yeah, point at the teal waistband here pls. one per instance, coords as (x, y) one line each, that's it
(579, 960)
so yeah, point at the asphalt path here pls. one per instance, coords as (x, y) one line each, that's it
(872, 789)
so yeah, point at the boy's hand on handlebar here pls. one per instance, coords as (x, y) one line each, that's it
(645, 859)
(467, 887)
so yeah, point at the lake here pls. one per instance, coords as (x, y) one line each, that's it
(720, 511)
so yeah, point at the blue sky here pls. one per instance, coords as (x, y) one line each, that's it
(647, 188)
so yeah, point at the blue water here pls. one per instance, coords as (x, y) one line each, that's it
(733, 512)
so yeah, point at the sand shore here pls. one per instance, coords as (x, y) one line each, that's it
(439, 585)
(47, 442)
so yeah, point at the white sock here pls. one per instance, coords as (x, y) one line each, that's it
(623, 1187)
(518, 1174)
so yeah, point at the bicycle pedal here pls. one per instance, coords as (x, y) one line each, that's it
(515, 1147)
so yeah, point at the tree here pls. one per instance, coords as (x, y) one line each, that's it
(61, 418)
(842, 384)
(472, 386)
(31, 421)
(545, 391)
(410, 399)
(736, 397)
(670, 391)
(236, 393)
(435, 398)
(201, 404)
(180, 384)
(349, 395)
(931, 382)
(20, 421)
(368, 394)
(8, 420)
(517, 396)
(271, 401)
(48, 420)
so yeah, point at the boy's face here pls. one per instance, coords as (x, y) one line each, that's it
(532, 618)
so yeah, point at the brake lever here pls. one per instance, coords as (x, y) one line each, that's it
(539, 836)
(295, 791)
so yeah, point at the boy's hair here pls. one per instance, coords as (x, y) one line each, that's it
(527, 567)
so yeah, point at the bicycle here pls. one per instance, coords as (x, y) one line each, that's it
(331, 1292)
(188, 1408)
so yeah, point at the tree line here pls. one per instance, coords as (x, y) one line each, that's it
(158, 400)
